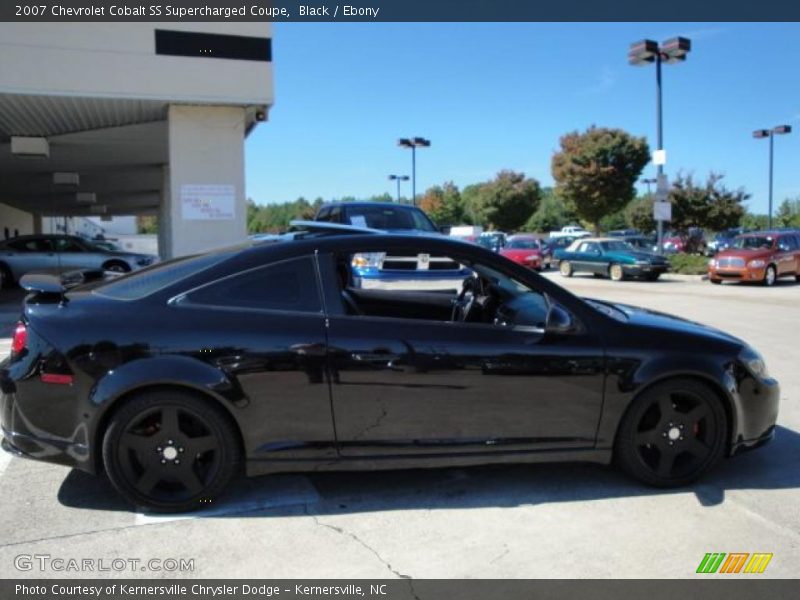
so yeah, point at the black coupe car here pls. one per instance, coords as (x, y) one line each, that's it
(265, 358)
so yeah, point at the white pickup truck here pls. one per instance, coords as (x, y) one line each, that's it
(570, 231)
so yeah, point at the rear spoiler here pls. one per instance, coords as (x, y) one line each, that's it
(55, 282)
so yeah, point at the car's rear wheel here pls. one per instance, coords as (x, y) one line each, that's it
(616, 273)
(672, 433)
(117, 266)
(770, 275)
(715, 281)
(652, 276)
(170, 451)
(565, 268)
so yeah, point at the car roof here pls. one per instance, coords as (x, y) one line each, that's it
(598, 239)
(370, 203)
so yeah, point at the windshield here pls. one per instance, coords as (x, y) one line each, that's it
(388, 217)
(616, 246)
(755, 242)
(523, 244)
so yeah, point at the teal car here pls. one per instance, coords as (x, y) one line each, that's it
(609, 257)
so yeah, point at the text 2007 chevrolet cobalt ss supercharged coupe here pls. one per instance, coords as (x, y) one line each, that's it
(267, 358)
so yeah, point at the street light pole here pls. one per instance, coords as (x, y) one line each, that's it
(414, 143)
(645, 52)
(398, 178)
(771, 133)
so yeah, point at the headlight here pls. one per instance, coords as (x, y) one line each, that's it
(369, 259)
(642, 262)
(532, 258)
(143, 262)
(754, 362)
(756, 264)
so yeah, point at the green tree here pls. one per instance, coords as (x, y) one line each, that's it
(147, 224)
(709, 205)
(443, 204)
(595, 171)
(788, 214)
(754, 221)
(507, 201)
(639, 214)
(552, 213)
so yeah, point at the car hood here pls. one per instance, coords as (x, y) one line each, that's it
(519, 251)
(746, 253)
(657, 320)
(637, 256)
(126, 255)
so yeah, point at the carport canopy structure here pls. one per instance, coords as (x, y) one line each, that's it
(121, 119)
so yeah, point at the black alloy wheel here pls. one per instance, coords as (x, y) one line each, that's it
(170, 451)
(672, 434)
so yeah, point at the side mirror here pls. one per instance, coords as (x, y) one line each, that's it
(559, 320)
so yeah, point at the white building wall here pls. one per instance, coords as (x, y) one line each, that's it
(17, 222)
(118, 60)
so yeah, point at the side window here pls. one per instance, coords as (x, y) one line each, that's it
(68, 245)
(336, 214)
(34, 245)
(286, 285)
(790, 242)
(324, 215)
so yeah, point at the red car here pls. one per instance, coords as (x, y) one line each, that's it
(527, 250)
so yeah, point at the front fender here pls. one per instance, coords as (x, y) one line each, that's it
(626, 378)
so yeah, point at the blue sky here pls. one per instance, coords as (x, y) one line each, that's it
(494, 96)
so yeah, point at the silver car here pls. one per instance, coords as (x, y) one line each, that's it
(27, 253)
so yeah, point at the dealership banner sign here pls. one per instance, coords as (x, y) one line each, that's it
(398, 589)
(397, 10)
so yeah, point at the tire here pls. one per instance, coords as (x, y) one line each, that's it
(565, 268)
(616, 273)
(672, 433)
(652, 276)
(715, 281)
(147, 468)
(770, 276)
(117, 266)
(6, 278)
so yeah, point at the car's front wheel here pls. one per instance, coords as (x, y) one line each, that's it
(770, 275)
(672, 433)
(565, 268)
(170, 451)
(117, 266)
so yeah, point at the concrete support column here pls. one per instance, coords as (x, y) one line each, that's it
(37, 223)
(203, 199)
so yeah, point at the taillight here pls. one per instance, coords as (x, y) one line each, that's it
(20, 338)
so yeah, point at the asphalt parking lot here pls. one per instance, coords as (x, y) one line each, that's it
(496, 522)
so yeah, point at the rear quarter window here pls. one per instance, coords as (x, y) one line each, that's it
(288, 285)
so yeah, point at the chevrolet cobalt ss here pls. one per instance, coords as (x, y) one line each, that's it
(266, 358)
